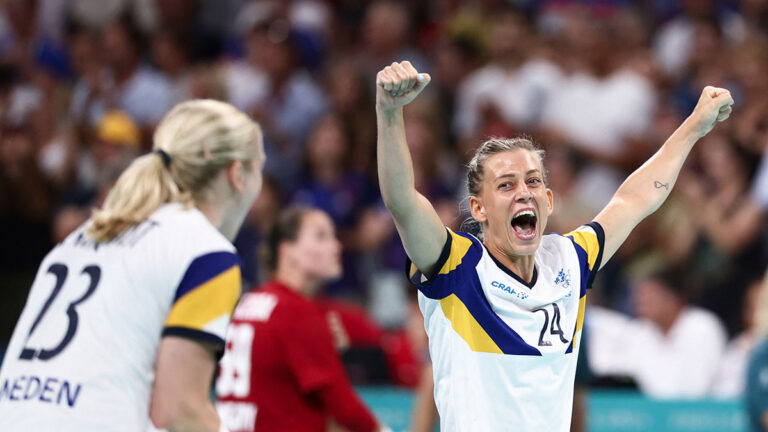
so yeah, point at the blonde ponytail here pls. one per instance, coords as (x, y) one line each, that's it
(144, 186)
(200, 139)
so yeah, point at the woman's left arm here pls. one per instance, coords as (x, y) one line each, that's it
(646, 189)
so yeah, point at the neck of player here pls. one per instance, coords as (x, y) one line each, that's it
(521, 265)
(221, 215)
(296, 280)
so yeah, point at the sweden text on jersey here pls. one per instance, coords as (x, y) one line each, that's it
(83, 351)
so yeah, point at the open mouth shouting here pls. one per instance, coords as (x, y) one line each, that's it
(524, 223)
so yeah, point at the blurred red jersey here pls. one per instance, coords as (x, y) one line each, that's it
(280, 370)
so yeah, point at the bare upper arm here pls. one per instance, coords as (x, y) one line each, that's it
(183, 373)
(422, 233)
(617, 220)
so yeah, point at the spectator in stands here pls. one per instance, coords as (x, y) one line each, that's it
(116, 143)
(172, 55)
(729, 226)
(386, 37)
(26, 204)
(759, 191)
(597, 74)
(25, 195)
(352, 102)
(730, 380)
(125, 82)
(293, 101)
(514, 88)
(672, 349)
(457, 54)
(563, 166)
(328, 182)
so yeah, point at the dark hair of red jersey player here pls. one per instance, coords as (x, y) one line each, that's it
(281, 370)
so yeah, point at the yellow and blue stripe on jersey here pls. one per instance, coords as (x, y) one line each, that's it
(457, 286)
(589, 245)
(209, 289)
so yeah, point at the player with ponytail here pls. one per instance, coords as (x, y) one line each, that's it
(127, 316)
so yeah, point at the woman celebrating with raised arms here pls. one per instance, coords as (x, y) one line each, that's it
(504, 314)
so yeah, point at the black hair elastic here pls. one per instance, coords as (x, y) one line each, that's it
(164, 156)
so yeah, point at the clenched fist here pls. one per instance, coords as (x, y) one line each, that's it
(398, 84)
(714, 106)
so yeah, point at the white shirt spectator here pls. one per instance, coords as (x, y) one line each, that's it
(679, 364)
(299, 105)
(146, 97)
(521, 96)
(674, 42)
(730, 380)
(246, 85)
(673, 45)
(97, 13)
(23, 100)
(584, 109)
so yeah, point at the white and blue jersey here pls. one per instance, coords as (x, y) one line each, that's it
(503, 350)
(82, 355)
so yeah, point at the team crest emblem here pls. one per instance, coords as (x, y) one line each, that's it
(563, 279)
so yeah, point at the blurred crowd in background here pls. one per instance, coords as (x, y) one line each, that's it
(599, 84)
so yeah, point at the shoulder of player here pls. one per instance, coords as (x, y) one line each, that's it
(189, 249)
(555, 238)
(187, 230)
(469, 240)
(468, 236)
(460, 250)
(555, 244)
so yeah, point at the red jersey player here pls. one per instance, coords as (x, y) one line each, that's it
(281, 371)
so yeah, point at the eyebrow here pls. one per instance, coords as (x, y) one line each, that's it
(512, 175)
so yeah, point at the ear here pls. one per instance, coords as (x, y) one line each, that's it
(285, 251)
(235, 176)
(550, 202)
(477, 209)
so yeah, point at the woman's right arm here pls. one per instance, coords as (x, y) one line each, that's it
(420, 228)
(180, 393)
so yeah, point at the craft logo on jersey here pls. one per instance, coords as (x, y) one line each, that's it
(508, 289)
(563, 279)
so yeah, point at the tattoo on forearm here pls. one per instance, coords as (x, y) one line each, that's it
(660, 185)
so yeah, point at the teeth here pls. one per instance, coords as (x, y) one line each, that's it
(525, 213)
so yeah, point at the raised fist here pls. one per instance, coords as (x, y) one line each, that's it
(398, 84)
(714, 106)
